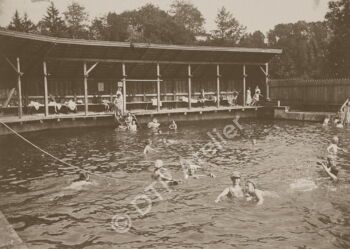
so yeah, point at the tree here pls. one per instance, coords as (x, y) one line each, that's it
(27, 24)
(304, 46)
(146, 24)
(228, 31)
(21, 24)
(118, 25)
(253, 40)
(52, 24)
(76, 20)
(338, 20)
(113, 27)
(16, 22)
(99, 29)
(188, 15)
(151, 24)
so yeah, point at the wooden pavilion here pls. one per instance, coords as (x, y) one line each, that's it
(150, 76)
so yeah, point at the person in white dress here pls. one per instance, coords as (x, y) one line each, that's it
(119, 104)
(249, 97)
(345, 112)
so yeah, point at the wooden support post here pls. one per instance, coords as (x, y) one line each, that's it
(218, 85)
(124, 88)
(46, 101)
(267, 81)
(266, 73)
(189, 87)
(158, 87)
(86, 89)
(244, 85)
(20, 111)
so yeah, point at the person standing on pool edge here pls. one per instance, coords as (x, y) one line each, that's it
(234, 191)
(118, 104)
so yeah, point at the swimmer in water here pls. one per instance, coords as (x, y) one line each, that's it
(153, 124)
(173, 125)
(190, 169)
(256, 194)
(253, 141)
(234, 191)
(148, 147)
(128, 119)
(161, 174)
(331, 168)
(167, 141)
(326, 121)
(336, 120)
(339, 125)
(132, 126)
(79, 183)
(333, 148)
(122, 127)
(83, 176)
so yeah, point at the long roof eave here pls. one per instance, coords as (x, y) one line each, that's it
(42, 38)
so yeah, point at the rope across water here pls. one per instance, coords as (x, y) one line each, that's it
(56, 158)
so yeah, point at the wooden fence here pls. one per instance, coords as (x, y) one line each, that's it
(326, 94)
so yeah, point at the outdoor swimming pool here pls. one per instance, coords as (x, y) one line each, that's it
(46, 215)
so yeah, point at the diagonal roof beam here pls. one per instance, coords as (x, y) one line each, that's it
(87, 72)
(12, 66)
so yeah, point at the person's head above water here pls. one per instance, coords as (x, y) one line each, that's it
(158, 164)
(83, 176)
(235, 177)
(331, 161)
(191, 170)
(251, 186)
(335, 140)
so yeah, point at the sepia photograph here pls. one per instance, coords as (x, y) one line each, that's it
(184, 124)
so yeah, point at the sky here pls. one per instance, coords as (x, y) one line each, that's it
(260, 15)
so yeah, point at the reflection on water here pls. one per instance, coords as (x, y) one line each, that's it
(33, 193)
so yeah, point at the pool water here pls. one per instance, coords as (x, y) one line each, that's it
(311, 211)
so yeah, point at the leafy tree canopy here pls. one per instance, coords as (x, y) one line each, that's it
(188, 15)
(76, 19)
(338, 20)
(229, 31)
